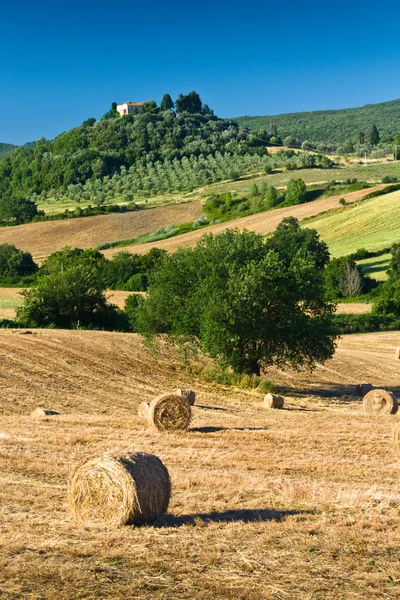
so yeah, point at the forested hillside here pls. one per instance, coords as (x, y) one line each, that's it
(332, 125)
(96, 150)
(6, 149)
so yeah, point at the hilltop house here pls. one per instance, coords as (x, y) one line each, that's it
(129, 108)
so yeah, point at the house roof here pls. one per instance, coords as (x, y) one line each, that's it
(133, 103)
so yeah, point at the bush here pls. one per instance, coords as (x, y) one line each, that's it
(295, 192)
(132, 303)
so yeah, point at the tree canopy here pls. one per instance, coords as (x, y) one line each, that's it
(242, 302)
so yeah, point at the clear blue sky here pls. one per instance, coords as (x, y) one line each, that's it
(62, 62)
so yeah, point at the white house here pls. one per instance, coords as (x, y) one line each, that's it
(129, 108)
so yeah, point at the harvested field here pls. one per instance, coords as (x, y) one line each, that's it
(353, 308)
(41, 239)
(300, 503)
(260, 223)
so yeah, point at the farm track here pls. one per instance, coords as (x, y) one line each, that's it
(41, 239)
(261, 223)
(266, 505)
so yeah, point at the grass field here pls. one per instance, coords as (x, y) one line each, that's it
(376, 266)
(373, 224)
(301, 503)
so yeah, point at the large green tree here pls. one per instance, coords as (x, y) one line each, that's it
(166, 102)
(67, 297)
(374, 136)
(15, 263)
(242, 303)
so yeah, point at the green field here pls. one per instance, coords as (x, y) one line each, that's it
(373, 224)
(376, 266)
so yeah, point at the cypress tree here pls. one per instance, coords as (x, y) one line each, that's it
(166, 102)
(374, 136)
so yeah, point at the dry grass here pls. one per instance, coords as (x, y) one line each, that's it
(41, 239)
(300, 503)
(353, 308)
(260, 223)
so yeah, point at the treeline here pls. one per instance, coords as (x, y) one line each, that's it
(125, 271)
(338, 126)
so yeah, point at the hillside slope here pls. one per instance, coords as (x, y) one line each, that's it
(331, 125)
(41, 239)
(262, 223)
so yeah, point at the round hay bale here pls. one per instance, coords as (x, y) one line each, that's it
(363, 388)
(380, 402)
(143, 410)
(189, 395)
(128, 489)
(397, 354)
(41, 413)
(273, 401)
(170, 412)
(396, 440)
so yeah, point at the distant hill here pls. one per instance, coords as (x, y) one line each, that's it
(332, 125)
(6, 149)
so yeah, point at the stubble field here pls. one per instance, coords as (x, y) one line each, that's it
(301, 503)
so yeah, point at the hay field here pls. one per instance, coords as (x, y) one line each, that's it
(373, 224)
(41, 239)
(260, 223)
(376, 266)
(301, 503)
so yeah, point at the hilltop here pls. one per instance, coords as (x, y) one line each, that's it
(331, 125)
(6, 149)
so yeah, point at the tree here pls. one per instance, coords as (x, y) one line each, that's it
(241, 303)
(374, 136)
(15, 262)
(17, 210)
(351, 282)
(296, 191)
(190, 103)
(66, 298)
(166, 102)
(361, 138)
(343, 278)
(271, 196)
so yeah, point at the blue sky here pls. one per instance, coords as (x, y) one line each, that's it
(64, 62)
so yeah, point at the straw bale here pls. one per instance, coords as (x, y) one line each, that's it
(170, 412)
(42, 413)
(273, 401)
(114, 490)
(380, 402)
(143, 410)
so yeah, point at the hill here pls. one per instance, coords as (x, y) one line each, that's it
(314, 484)
(331, 125)
(6, 149)
(132, 147)
(373, 224)
(262, 223)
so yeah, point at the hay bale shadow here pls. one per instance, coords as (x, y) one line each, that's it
(230, 516)
(210, 429)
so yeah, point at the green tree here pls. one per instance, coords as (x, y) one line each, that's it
(166, 102)
(271, 196)
(17, 210)
(374, 136)
(15, 262)
(241, 303)
(190, 103)
(66, 298)
(296, 191)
